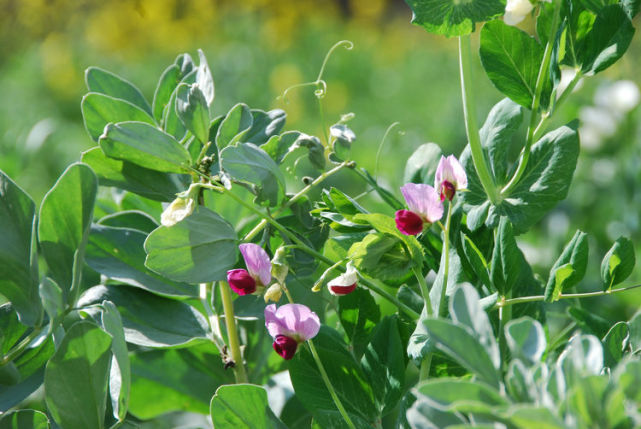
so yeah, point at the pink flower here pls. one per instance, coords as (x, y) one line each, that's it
(290, 325)
(345, 283)
(450, 177)
(424, 207)
(258, 273)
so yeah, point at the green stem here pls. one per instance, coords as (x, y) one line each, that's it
(469, 112)
(251, 234)
(232, 333)
(329, 385)
(541, 80)
(536, 298)
(369, 283)
(424, 290)
(427, 360)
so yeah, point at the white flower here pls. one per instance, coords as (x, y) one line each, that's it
(516, 10)
(620, 96)
(179, 209)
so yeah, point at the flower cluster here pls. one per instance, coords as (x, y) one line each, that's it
(425, 203)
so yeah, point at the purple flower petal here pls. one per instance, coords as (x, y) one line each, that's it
(345, 283)
(450, 170)
(423, 200)
(285, 346)
(458, 172)
(257, 261)
(241, 282)
(291, 320)
(409, 223)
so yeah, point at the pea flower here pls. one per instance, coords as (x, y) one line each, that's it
(450, 177)
(345, 283)
(179, 209)
(258, 272)
(273, 293)
(424, 207)
(516, 10)
(290, 325)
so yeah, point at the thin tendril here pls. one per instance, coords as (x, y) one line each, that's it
(380, 147)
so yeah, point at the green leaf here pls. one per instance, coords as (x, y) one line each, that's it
(125, 175)
(476, 260)
(120, 373)
(133, 219)
(456, 341)
(146, 146)
(204, 78)
(18, 260)
(465, 308)
(76, 378)
(11, 330)
(618, 263)
(278, 147)
(192, 110)
(242, 406)
(384, 364)
(65, 218)
(52, 298)
(383, 257)
(149, 320)
(531, 417)
(450, 394)
(607, 41)
(98, 110)
(119, 254)
(200, 248)
(176, 380)
(249, 163)
(104, 82)
(236, 124)
(421, 165)
(614, 343)
(512, 58)
(264, 125)
(358, 314)
(24, 419)
(344, 373)
(634, 325)
(569, 268)
(507, 259)
(168, 82)
(453, 18)
(526, 339)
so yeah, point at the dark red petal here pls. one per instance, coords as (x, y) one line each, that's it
(285, 346)
(447, 191)
(409, 223)
(342, 290)
(241, 282)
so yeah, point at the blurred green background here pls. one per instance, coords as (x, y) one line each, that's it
(258, 48)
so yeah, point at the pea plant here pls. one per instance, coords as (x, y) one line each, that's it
(193, 270)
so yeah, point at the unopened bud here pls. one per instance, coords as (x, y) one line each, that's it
(179, 209)
(273, 293)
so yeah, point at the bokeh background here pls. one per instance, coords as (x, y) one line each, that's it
(258, 48)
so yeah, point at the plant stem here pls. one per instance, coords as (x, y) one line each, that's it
(427, 360)
(329, 385)
(232, 333)
(369, 283)
(535, 298)
(541, 80)
(469, 112)
(424, 291)
(251, 234)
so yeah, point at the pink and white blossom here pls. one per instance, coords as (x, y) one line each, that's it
(450, 177)
(289, 325)
(424, 207)
(258, 273)
(345, 283)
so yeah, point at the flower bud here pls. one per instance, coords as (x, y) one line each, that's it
(285, 346)
(179, 209)
(345, 283)
(241, 281)
(273, 293)
(279, 265)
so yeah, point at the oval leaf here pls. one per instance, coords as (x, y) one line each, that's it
(526, 339)
(452, 17)
(98, 110)
(80, 370)
(618, 263)
(104, 82)
(242, 406)
(24, 419)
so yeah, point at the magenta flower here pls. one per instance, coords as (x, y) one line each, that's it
(258, 273)
(450, 177)
(424, 207)
(290, 325)
(345, 283)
